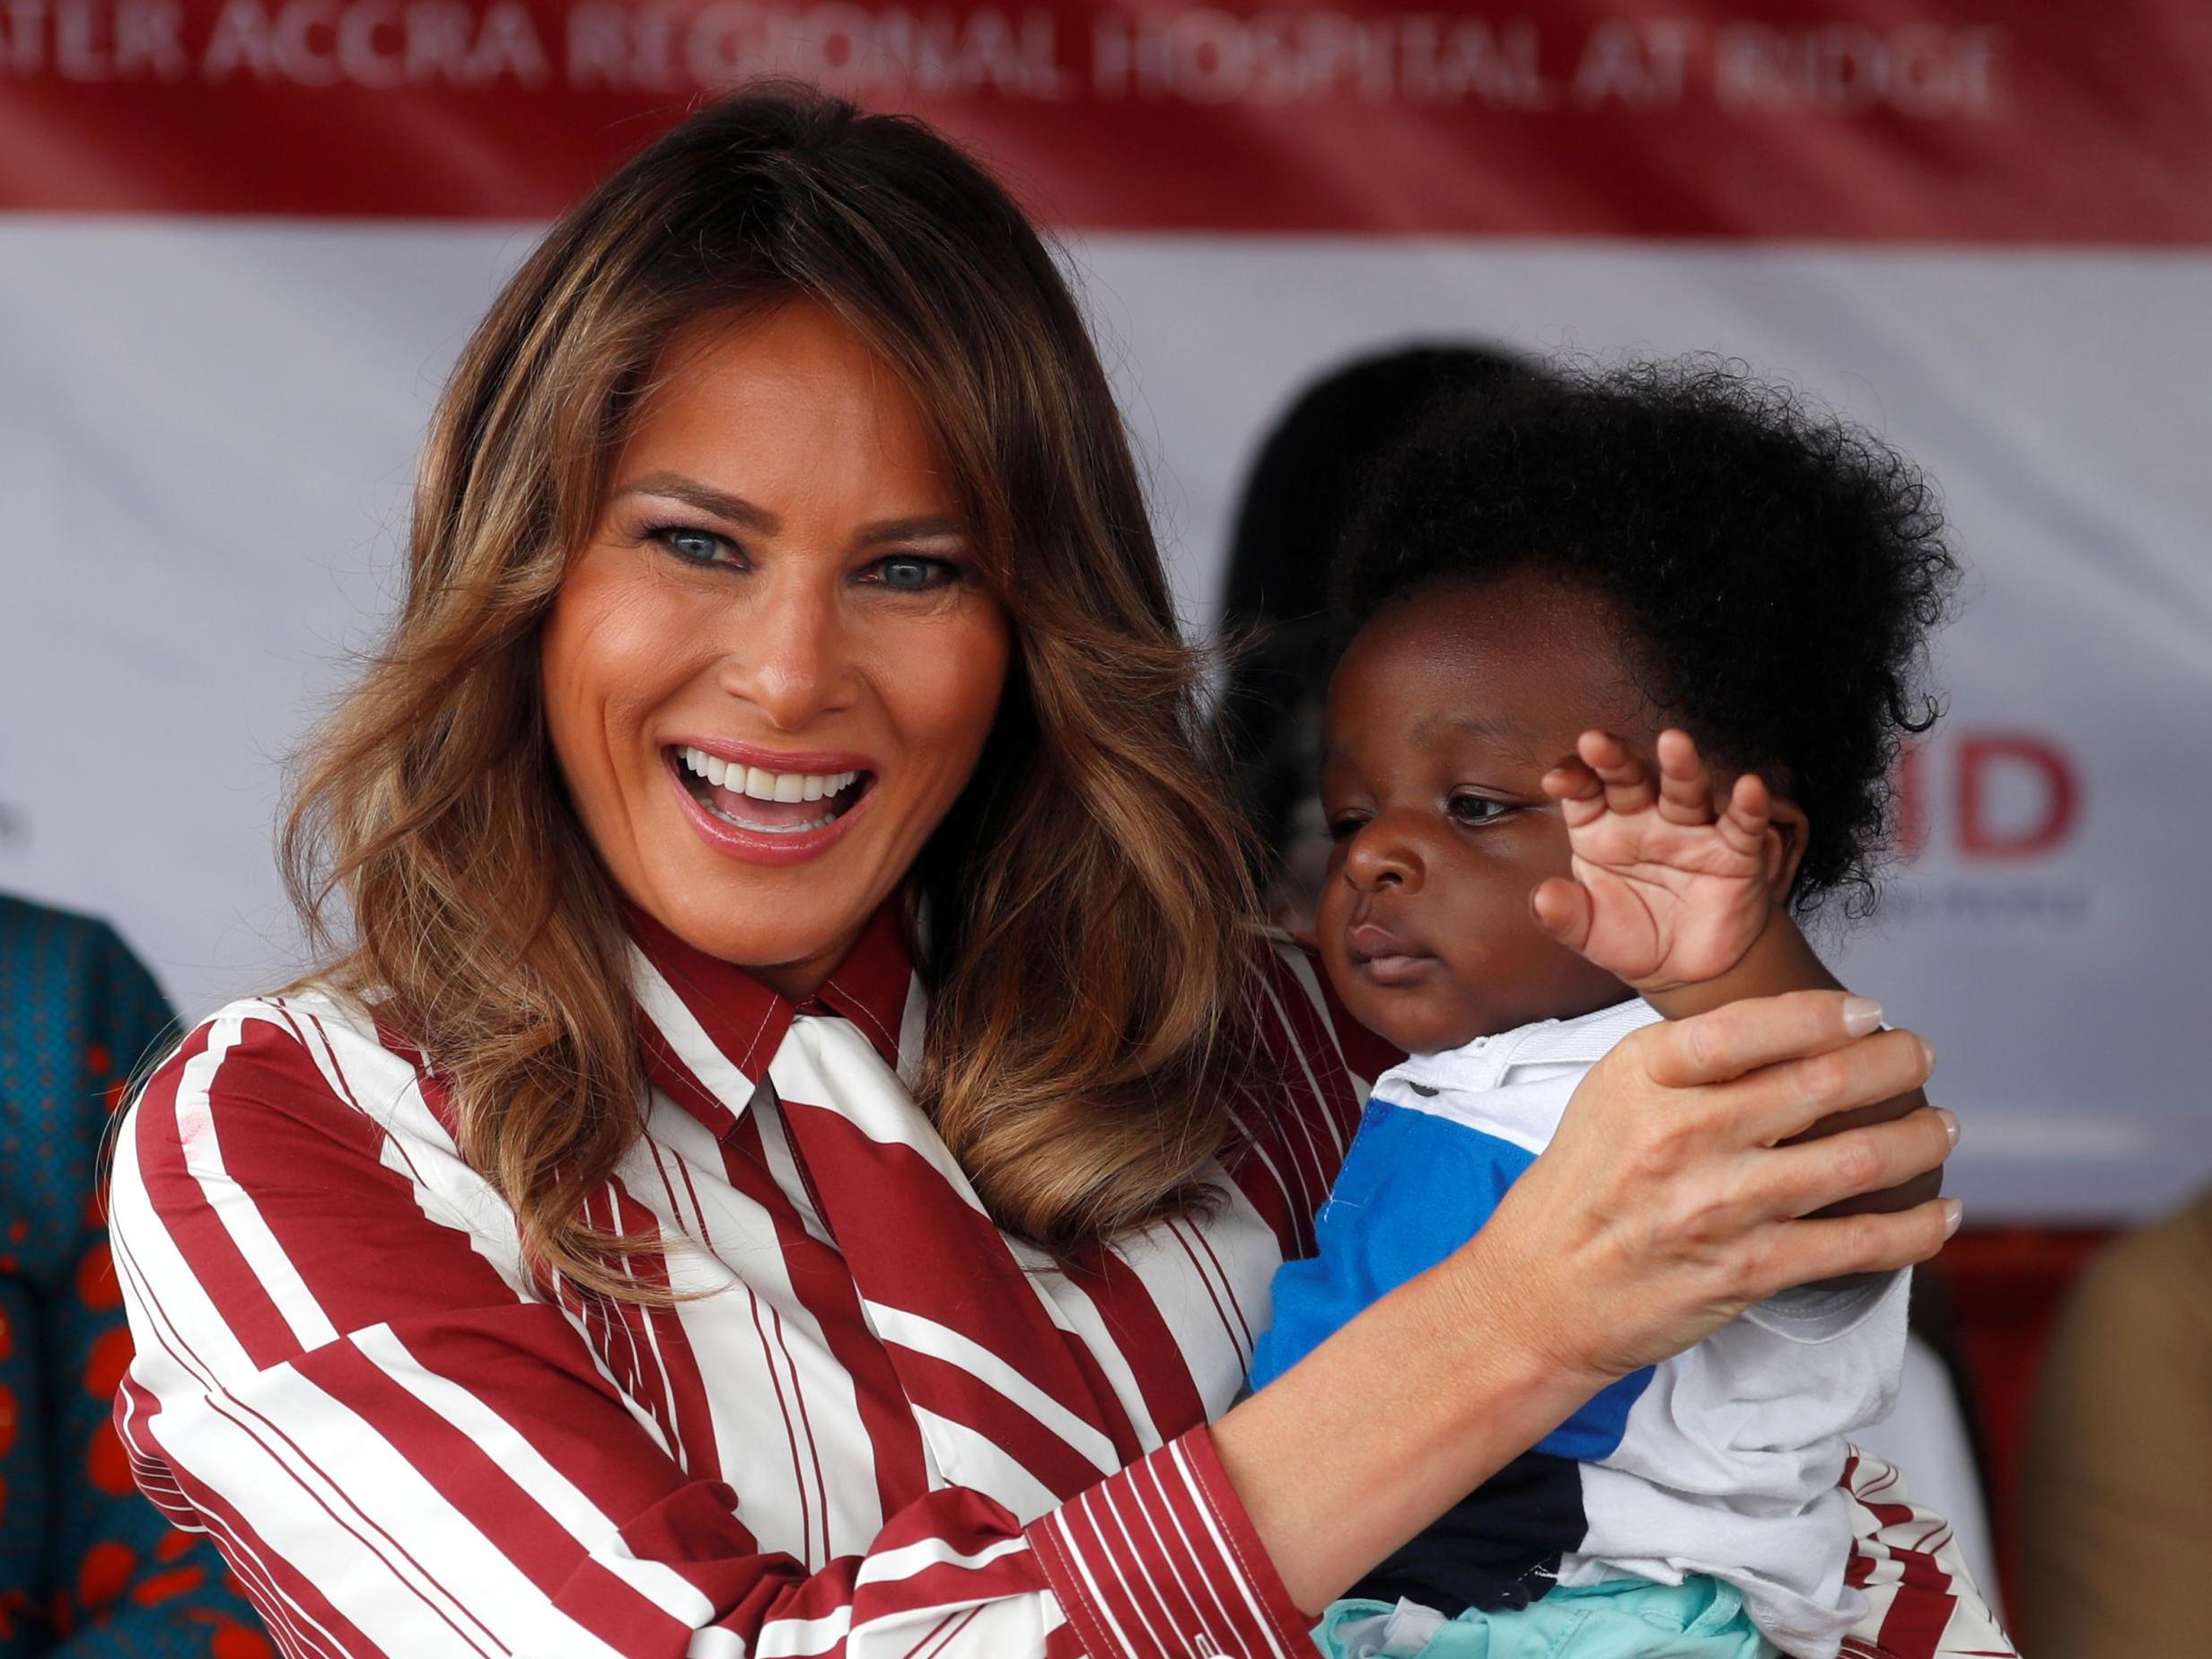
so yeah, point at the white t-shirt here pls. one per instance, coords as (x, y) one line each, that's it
(1722, 1461)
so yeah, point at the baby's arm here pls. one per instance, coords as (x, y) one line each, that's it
(1683, 902)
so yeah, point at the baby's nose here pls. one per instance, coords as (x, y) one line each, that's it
(1377, 858)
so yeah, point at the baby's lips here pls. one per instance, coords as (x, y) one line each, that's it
(1368, 942)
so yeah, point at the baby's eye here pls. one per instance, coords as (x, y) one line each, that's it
(1345, 825)
(1468, 809)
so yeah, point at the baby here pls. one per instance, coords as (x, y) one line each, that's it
(1559, 585)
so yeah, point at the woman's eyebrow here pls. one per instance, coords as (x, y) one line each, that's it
(737, 510)
(706, 497)
(913, 528)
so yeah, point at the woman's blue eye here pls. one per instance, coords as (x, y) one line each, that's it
(914, 575)
(697, 547)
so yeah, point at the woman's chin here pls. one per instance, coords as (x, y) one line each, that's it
(758, 917)
(812, 939)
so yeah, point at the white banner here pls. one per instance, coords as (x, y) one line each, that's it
(241, 242)
(206, 431)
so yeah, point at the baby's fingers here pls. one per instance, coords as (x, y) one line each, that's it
(1628, 787)
(1748, 815)
(1685, 782)
(1576, 787)
(1562, 909)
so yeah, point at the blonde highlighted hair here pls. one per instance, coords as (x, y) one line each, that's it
(1088, 947)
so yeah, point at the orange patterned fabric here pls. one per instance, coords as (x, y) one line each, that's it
(88, 1569)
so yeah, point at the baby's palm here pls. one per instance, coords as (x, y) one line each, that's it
(1662, 892)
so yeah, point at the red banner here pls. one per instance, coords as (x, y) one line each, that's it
(1873, 120)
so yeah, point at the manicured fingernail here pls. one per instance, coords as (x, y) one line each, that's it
(1861, 1015)
(1951, 1124)
(1927, 1057)
(1954, 1212)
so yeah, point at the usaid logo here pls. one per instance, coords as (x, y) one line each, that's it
(1986, 796)
(1985, 815)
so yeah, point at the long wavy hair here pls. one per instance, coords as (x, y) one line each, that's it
(1088, 949)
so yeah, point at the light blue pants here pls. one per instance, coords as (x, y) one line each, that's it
(1620, 1619)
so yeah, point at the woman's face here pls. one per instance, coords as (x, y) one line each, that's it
(771, 672)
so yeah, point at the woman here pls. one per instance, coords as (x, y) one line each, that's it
(787, 1158)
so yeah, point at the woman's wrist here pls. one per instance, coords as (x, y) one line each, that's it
(1527, 1309)
(1427, 1393)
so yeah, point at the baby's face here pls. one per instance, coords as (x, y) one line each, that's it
(1444, 717)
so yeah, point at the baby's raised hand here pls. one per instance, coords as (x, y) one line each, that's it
(1663, 893)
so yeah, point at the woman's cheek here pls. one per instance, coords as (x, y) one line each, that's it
(943, 686)
(620, 643)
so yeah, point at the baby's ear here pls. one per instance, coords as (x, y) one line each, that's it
(1787, 831)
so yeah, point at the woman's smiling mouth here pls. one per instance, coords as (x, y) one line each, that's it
(787, 811)
(771, 803)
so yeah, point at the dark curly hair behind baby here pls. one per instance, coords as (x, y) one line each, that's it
(1780, 568)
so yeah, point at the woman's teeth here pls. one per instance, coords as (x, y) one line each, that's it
(751, 780)
(737, 779)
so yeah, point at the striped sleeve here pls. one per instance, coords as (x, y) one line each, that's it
(1921, 1601)
(399, 1450)
(1162, 1560)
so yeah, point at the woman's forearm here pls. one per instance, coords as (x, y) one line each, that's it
(1382, 1428)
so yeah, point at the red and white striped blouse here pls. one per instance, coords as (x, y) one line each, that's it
(894, 1431)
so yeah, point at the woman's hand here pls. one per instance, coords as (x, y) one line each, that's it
(1666, 1204)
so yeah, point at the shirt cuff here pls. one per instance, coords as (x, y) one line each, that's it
(1160, 1562)
(1810, 1315)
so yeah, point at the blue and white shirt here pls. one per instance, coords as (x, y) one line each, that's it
(1723, 1461)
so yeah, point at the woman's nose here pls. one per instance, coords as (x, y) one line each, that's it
(790, 657)
(1380, 856)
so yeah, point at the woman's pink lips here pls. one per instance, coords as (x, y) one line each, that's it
(822, 762)
(760, 846)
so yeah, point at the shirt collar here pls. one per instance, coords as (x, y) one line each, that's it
(709, 1028)
(1583, 1041)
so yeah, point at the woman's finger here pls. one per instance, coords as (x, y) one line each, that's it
(1780, 1101)
(1796, 1181)
(1805, 1252)
(1728, 1042)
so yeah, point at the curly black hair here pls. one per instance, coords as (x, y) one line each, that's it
(1779, 567)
